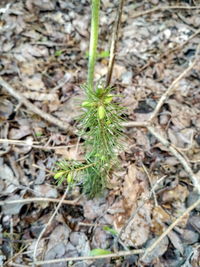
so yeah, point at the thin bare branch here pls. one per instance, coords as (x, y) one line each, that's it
(62, 125)
(38, 199)
(130, 124)
(162, 8)
(113, 45)
(84, 258)
(33, 144)
(166, 232)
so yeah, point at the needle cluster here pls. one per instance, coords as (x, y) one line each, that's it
(101, 129)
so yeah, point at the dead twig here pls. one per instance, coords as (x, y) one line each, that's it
(113, 46)
(62, 125)
(162, 8)
(166, 232)
(38, 199)
(130, 124)
(49, 223)
(84, 258)
(17, 265)
(10, 262)
(33, 144)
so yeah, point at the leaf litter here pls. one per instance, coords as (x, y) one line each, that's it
(43, 44)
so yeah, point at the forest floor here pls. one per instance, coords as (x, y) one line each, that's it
(43, 63)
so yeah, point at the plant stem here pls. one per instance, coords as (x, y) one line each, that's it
(93, 43)
(85, 167)
(114, 40)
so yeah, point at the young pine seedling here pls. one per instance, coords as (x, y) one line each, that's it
(100, 126)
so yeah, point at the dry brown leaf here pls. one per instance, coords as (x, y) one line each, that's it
(181, 114)
(72, 153)
(179, 193)
(137, 233)
(34, 82)
(45, 190)
(93, 209)
(159, 217)
(181, 138)
(176, 241)
(28, 68)
(159, 250)
(7, 175)
(134, 187)
(6, 109)
(131, 186)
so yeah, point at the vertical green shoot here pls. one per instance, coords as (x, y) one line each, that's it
(93, 43)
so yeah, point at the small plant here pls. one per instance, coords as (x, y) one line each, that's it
(100, 126)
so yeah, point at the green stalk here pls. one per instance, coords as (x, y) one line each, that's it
(93, 43)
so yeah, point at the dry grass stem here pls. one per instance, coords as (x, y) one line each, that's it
(10, 263)
(39, 199)
(162, 8)
(34, 144)
(84, 258)
(113, 46)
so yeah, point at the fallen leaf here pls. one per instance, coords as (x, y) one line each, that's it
(159, 218)
(176, 241)
(158, 251)
(33, 82)
(93, 209)
(179, 193)
(6, 109)
(131, 186)
(14, 208)
(45, 190)
(6, 174)
(41, 96)
(137, 233)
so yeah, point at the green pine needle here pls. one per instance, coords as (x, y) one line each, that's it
(102, 130)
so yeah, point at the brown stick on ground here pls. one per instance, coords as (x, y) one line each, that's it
(162, 8)
(62, 125)
(84, 258)
(38, 199)
(113, 45)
